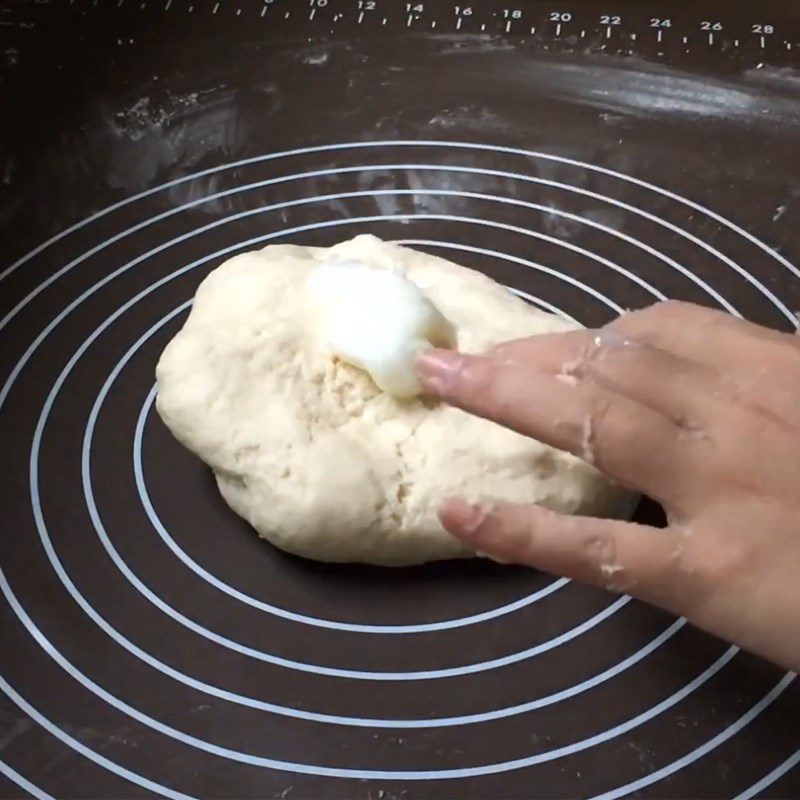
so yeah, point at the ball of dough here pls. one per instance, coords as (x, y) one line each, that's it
(312, 453)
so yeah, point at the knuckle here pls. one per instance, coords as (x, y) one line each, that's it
(467, 384)
(479, 376)
(492, 388)
(510, 530)
(527, 539)
(657, 314)
(670, 307)
(721, 566)
(600, 556)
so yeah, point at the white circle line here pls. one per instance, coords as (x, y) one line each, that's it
(705, 748)
(697, 753)
(335, 771)
(770, 777)
(23, 783)
(537, 301)
(61, 735)
(339, 772)
(368, 168)
(426, 143)
(350, 195)
(107, 385)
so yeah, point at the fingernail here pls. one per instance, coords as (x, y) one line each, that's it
(462, 518)
(436, 369)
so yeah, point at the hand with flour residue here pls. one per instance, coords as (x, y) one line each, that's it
(692, 407)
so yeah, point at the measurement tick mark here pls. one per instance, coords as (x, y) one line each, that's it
(508, 26)
(558, 29)
(360, 17)
(458, 24)
(313, 12)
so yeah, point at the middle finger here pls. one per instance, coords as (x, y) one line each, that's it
(680, 390)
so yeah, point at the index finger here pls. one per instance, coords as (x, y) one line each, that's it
(631, 443)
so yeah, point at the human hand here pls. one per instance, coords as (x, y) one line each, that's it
(692, 407)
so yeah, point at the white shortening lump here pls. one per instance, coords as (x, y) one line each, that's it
(378, 320)
(292, 379)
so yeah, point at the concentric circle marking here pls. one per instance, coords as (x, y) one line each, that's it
(319, 622)
(317, 669)
(537, 301)
(446, 773)
(52, 728)
(313, 226)
(338, 772)
(21, 781)
(704, 749)
(481, 147)
(292, 712)
(770, 777)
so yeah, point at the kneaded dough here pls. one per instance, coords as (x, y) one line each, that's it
(312, 453)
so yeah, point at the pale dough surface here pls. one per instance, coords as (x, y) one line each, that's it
(309, 451)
